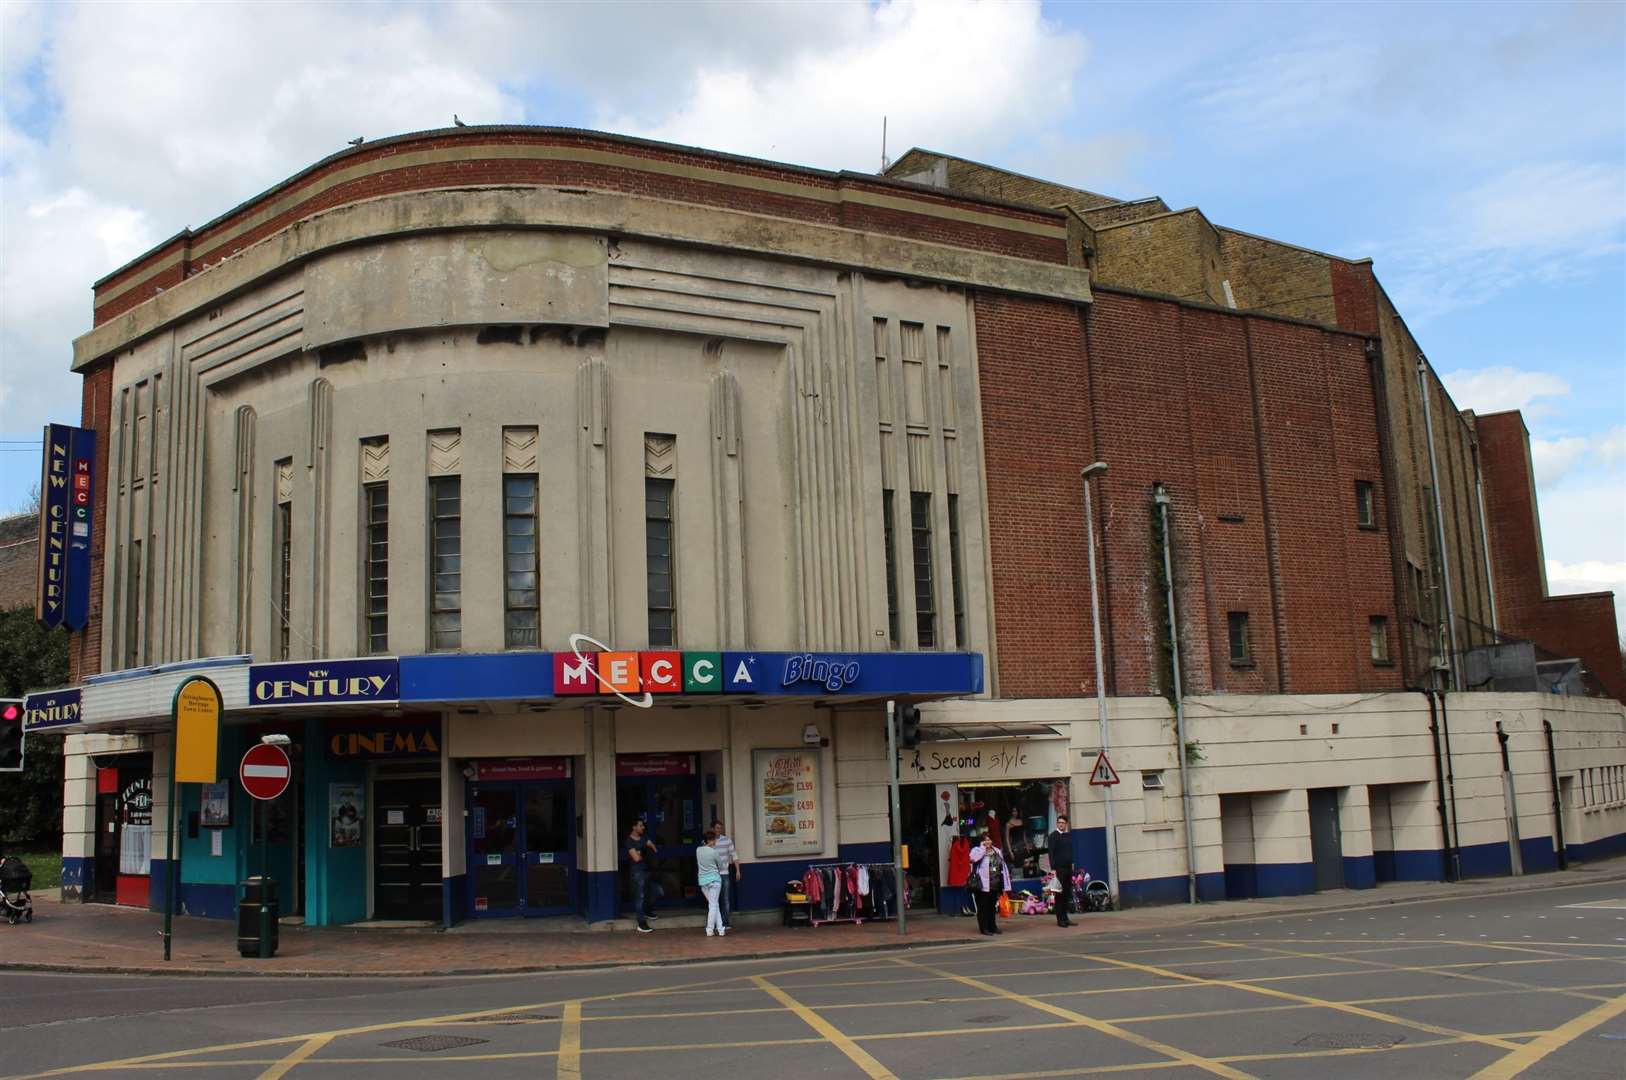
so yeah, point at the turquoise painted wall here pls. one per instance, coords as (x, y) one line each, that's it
(336, 890)
(198, 865)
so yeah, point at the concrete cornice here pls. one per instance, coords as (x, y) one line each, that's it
(603, 212)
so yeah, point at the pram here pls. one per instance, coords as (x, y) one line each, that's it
(15, 881)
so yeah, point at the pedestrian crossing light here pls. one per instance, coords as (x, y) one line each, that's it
(908, 726)
(11, 735)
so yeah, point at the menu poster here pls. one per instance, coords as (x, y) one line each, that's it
(789, 821)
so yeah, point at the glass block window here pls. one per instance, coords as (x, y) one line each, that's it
(521, 589)
(376, 565)
(445, 562)
(660, 562)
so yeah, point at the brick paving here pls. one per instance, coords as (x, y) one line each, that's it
(95, 937)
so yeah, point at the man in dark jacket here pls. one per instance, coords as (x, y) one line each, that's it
(1061, 861)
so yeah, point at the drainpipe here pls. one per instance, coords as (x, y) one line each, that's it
(1451, 786)
(1439, 527)
(1160, 496)
(1514, 855)
(1558, 809)
(1484, 536)
(1439, 789)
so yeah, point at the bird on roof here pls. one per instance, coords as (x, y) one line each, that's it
(456, 122)
(358, 140)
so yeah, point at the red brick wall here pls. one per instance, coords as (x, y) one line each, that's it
(213, 243)
(1583, 626)
(1240, 417)
(1354, 296)
(85, 647)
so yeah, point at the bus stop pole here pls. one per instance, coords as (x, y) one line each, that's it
(897, 821)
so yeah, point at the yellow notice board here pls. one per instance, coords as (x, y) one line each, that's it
(197, 732)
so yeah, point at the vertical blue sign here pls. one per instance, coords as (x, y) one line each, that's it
(67, 506)
(79, 527)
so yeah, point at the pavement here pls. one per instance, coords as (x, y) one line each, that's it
(77, 937)
(1522, 979)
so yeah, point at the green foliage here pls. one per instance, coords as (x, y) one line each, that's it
(1160, 605)
(1194, 752)
(32, 658)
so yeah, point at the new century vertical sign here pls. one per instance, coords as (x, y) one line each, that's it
(66, 508)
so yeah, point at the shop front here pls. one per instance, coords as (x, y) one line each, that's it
(958, 791)
(123, 851)
(521, 829)
(663, 791)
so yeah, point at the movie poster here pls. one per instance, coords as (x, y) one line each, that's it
(347, 804)
(215, 806)
(789, 820)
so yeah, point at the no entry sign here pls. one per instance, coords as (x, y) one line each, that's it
(265, 771)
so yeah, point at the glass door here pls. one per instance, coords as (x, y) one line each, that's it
(549, 846)
(494, 872)
(670, 810)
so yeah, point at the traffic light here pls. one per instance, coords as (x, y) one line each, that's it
(11, 735)
(908, 726)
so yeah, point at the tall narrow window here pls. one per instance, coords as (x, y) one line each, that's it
(376, 507)
(956, 570)
(888, 529)
(282, 535)
(1236, 624)
(1366, 514)
(660, 562)
(920, 530)
(1378, 630)
(521, 595)
(137, 609)
(445, 562)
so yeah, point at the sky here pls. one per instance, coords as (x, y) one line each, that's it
(1477, 153)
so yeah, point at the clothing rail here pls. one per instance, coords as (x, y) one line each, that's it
(851, 900)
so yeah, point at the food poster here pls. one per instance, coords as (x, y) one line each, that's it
(789, 819)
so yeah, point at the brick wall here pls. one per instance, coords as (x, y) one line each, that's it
(973, 178)
(85, 647)
(19, 560)
(1175, 254)
(1269, 276)
(1582, 625)
(1258, 429)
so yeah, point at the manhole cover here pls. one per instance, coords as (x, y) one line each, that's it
(428, 1044)
(990, 1018)
(524, 1018)
(1349, 1040)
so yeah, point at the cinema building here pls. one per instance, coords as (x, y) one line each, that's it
(535, 481)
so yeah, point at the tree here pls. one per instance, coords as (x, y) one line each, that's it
(32, 658)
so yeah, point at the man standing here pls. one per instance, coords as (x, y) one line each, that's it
(1061, 861)
(728, 861)
(639, 851)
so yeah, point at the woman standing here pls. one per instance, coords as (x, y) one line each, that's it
(990, 879)
(711, 883)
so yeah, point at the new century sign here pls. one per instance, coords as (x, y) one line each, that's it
(66, 512)
(325, 682)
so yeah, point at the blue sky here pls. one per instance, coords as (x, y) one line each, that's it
(1476, 152)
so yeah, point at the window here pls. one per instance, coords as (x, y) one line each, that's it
(521, 595)
(1366, 513)
(284, 531)
(445, 562)
(376, 508)
(888, 529)
(1237, 633)
(956, 571)
(1151, 781)
(659, 557)
(920, 531)
(1379, 630)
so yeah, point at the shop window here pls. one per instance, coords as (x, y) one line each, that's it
(376, 508)
(1236, 623)
(1366, 514)
(521, 594)
(1018, 814)
(445, 562)
(660, 559)
(920, 531)
(888, 531)
(1378, 631)
(956, 571)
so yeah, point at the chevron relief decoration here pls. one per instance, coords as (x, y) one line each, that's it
(375, 460)
(446, 452)
(285, 480)
(519, 449)
(660, 456)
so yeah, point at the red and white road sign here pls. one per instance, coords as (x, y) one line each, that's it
(265, 771)
(1103, 775)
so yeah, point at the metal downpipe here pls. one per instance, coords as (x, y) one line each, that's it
(1160, 496)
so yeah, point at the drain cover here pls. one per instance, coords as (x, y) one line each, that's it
(428, 1044)
(990, 1018)
(524, 1018)
(1349, 1040)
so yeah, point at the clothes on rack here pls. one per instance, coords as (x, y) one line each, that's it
(959, 861)
(851, 891)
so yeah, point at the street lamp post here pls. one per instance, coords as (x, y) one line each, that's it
(1100, 672)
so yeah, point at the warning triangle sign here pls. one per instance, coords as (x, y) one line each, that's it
(1103, 775)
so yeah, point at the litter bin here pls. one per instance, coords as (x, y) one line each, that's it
(256, 891)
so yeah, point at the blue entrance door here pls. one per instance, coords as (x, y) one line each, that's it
(522, 848)
(669, 806)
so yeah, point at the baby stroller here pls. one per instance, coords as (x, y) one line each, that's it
(15, 881)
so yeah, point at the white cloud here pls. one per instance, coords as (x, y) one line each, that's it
(1293, 88)
(1497, 389)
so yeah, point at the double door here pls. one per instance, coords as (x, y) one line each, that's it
(669, 807)
(406, 849)
(522, 848)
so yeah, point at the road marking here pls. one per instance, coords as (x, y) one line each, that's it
(1559, 1037)
(305, 1050)
(833, 1035)
(1370, 1014)
(1184, 1057)
(569, 1064)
